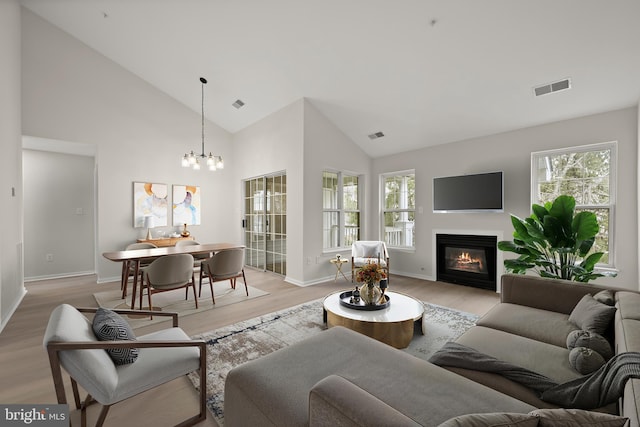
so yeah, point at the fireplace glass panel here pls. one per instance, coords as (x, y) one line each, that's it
(466, 259)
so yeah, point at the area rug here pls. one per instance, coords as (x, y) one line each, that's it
(235, 344)
(175, 302)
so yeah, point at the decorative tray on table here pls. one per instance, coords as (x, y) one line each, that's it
(345, 300)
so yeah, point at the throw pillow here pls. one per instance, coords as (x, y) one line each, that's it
(577, 418)
(585, 360)
(590, 340)
(605, 297)
(371, 250)
(591, 315)
(110, 326)
(496, 419)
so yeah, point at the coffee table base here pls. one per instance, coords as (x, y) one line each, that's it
(395, 334)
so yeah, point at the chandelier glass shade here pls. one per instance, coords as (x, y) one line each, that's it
(193, 160)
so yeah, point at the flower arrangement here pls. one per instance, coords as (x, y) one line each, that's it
(370, 273)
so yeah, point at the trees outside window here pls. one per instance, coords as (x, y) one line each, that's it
(588, 174)
(398, 209)
(340, 210)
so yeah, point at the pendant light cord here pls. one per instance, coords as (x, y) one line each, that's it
(203, 83)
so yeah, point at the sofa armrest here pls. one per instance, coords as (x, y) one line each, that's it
(337, 401)
(546, 294)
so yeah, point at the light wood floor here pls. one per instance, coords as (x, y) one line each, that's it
(25, 376)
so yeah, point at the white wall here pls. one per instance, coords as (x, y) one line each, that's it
(11, 282)
(58, 214)
(72, 93)
(327, 148)
(511, 153)
(275, 144)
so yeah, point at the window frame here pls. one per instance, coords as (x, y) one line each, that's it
(611, 206)
(384, 210)
(341, 210)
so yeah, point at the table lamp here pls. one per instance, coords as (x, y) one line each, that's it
(148, 223)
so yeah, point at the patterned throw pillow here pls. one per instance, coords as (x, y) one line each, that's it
(110, 326)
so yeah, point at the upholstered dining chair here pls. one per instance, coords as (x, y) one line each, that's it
(367, 252)
(167, 273)
(128, 268)
(197, 258)
(161, 356)
(224, 265)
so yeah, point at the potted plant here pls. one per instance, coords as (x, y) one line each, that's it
(555, 243)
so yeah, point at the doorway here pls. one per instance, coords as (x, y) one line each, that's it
(265, 222)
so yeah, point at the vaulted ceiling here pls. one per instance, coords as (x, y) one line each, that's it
(423, 72)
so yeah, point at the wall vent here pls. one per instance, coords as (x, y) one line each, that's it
(238, 104)
(376, 135)
(552, 87)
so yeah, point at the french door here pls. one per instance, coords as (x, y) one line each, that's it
(265, 222)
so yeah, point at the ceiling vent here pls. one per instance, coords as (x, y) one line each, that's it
(238, 104)
(376, 135)
(552, 87)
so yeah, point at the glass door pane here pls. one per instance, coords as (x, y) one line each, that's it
(265, 223)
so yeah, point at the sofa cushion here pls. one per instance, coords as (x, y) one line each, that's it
(628, 304)
(110, 326)
(627, 335)
(534, 323)
(493, 419)
(591, 315)
(590, 340)
(585, 360)
(547, 359)
(577, 418)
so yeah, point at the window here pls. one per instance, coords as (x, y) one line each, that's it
(399, 209)
(340, 210)
(588, 174)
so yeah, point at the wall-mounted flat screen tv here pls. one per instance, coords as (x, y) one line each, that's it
(481, 192)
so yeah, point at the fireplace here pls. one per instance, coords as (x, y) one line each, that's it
(467, 260)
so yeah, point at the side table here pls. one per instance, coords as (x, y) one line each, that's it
(338, 262)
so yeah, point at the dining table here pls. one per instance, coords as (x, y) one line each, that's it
(135, 256)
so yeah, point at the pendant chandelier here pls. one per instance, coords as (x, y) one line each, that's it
(193, 160)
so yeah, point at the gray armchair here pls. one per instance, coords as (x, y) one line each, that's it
(162, 357)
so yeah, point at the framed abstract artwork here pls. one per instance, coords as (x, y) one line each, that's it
(150, 200)
(186, 205)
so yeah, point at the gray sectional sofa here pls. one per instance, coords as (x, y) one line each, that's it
(340, 377)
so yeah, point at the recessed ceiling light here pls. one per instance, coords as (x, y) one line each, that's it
(238, 104)
(552, 87)
(376, 135)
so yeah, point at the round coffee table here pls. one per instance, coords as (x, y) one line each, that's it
(393, 325)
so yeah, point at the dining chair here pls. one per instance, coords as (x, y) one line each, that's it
(367, 252)
(198, 258)
(162, 356)
(128, 268)
(167, 273)
(223, 265)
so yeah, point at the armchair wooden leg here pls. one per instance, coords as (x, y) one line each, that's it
(103, 415)
(76, 394)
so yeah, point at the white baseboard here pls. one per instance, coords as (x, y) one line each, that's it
(57, 276)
